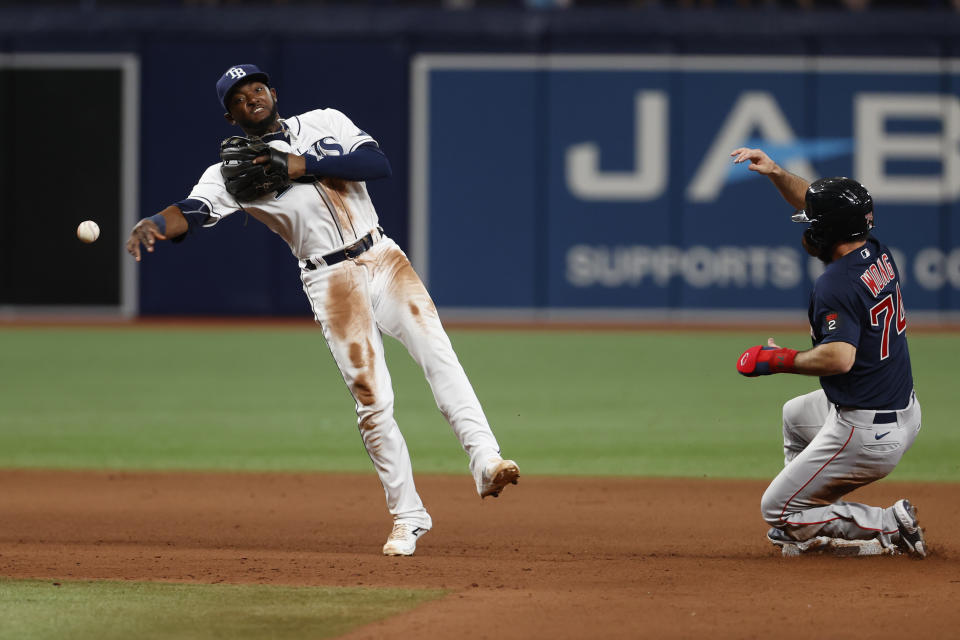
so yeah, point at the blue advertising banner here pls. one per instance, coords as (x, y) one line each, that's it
(590, 182)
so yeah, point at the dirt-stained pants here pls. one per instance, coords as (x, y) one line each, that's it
(355, 301)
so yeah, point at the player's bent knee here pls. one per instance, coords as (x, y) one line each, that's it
(772, 508)
(370, 417)
(793, 410)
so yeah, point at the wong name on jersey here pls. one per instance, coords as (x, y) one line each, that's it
(878, 275)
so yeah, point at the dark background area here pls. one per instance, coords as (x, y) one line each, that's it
(352, 56)
(41, 262)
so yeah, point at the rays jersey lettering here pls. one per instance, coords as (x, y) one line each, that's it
(326, 147)
(313, 218)
(858, 300)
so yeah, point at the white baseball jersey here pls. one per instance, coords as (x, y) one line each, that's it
(355, 301)
(316, 218)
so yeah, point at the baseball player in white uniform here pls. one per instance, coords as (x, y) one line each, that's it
(359, 282)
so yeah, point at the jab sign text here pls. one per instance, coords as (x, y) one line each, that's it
(605, 182)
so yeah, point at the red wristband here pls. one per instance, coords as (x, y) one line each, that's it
(763, 361)
(781, 360)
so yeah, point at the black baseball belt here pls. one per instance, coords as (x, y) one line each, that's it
(884, 417)
(879, 416)
(349, 252)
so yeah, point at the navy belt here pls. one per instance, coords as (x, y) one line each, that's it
(879, 417)
(349, 252)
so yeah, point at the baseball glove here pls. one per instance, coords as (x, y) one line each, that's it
(246, 180)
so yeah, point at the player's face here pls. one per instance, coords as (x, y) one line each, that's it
(253, 106)
(825, 256)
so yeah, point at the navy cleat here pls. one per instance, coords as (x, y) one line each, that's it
(779, 537)
(911, 535)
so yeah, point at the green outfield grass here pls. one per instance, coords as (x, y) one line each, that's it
(46, 609)
(560, 402)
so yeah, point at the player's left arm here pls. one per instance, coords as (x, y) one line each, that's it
(825, 359)
(792, 187)
(366, 162)
(345, 151)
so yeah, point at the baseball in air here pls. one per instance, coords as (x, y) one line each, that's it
(88, 231)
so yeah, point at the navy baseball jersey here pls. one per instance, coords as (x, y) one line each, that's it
(857, 300)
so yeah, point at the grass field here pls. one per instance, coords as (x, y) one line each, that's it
(603, 403)
(42, 609)
(560, 402)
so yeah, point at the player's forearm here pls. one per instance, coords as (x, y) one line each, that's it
(365, 163)
(175, 222)
(169, 223)
(827, 359)
(793, 188)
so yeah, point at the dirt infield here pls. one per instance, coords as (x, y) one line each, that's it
(551, 558)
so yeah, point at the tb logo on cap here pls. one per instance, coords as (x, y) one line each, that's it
(236, 73)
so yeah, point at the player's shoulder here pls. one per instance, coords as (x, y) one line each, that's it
(871, 249)
(876, 248)
(212, 174)
(321, 116)
(833, 276)
(835, 283)
(871, 254)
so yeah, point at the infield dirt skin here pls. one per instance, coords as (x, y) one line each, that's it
(550, 558)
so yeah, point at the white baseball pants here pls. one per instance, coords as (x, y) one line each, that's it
(355, 301)
(827, 454)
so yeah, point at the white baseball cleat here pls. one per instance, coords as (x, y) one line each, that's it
(403, 539)
(496, 475)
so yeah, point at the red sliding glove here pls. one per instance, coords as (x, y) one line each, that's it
(762, 361)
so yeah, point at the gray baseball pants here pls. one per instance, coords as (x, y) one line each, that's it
(829, 452)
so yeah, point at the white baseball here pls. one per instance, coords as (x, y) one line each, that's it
(88, 231)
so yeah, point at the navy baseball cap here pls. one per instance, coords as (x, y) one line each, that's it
(234, 76)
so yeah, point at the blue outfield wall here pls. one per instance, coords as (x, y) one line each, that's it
(608, 184)
(243, 268)
(580, 169)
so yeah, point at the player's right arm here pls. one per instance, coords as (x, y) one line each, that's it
(793, 188)
(825, 359)
(208, 203)
(168, 223)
